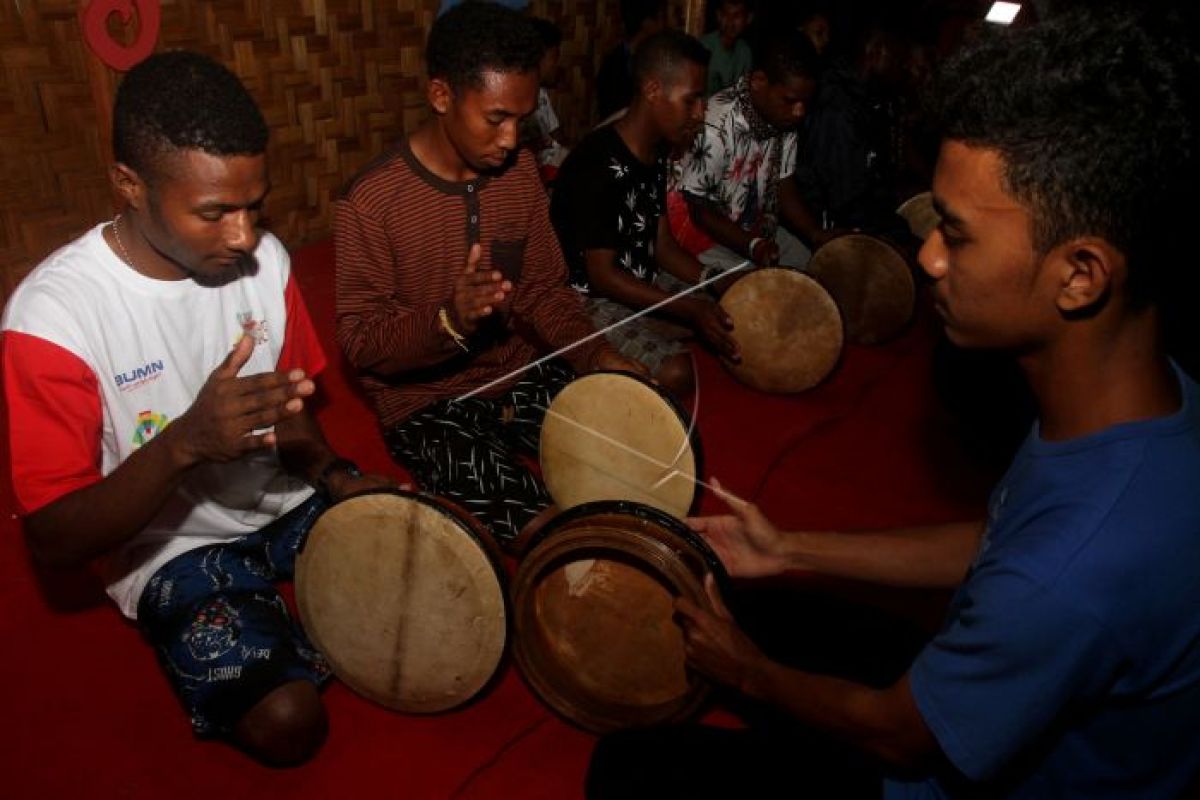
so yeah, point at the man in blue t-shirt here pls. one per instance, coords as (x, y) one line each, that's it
(1069, 661)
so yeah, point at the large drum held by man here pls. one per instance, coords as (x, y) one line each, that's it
(593, 607)
(788, 329)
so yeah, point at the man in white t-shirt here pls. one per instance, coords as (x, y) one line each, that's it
(156, 372)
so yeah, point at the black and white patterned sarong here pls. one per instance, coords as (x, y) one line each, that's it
(470, 451)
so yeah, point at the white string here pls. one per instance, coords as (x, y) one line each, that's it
(601, 332)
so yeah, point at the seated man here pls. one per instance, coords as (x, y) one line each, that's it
(731, 57)
(450, 279)
(609, 211)
(155, 371)
(1069, 661)
(543, 131)
(849, 166)
(736, 178)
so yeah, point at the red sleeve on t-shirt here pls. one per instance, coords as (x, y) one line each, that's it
(301, 348)
(54, 420)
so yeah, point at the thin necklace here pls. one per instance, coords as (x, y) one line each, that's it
(116, 228)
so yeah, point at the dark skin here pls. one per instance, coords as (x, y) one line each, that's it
(1092, 361)
(196, 221)
(474, 131)
(667, 109)
(782, 104)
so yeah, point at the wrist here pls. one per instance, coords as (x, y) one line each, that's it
(451, 326)
(755, 678)
(181, 456)
(333, 475)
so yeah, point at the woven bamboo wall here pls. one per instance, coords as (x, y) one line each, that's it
(336, 79)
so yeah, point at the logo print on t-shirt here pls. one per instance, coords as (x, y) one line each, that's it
(148, 426)
(252, 327)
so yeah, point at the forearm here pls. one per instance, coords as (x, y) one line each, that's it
(97, 519)
(608, 281)
(674, 259)
(391, 337)
(882, 722)
(302, 447)
(935, 556)
(796, 214)
(723, 230)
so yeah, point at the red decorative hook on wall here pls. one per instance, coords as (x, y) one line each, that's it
(94, 18)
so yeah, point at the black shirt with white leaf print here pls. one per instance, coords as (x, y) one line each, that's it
(606, 199)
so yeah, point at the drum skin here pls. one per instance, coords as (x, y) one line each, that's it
(615, 436)
(871, 283)
(593, 614)
(403, 595)
(788, 329)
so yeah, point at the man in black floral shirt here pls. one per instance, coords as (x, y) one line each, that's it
(609, 209)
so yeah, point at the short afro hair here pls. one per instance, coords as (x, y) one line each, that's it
(1094, 116)
(664, 53)
(475, 37)
(180, 100)
(785, 53)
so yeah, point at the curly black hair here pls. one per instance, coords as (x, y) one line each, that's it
(1094, 115)
(180, 100)
(785, 53)
(475, 37)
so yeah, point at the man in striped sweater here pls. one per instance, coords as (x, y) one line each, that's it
(450, 278)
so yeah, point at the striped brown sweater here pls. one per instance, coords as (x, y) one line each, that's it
(401, 235)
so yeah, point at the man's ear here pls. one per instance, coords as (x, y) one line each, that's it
(440, 95)
(128, 185)
(652, 89)
(1087, 269)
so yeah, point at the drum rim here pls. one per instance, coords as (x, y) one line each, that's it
(640, 510)
(600, 716)
(685, 419)
(447, 508)
(492, 554)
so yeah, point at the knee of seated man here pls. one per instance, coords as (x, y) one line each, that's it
(676, 375)
(285, 728)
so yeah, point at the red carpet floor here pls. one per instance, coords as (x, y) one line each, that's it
(88, 714)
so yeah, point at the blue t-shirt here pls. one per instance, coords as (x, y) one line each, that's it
(1069, 665)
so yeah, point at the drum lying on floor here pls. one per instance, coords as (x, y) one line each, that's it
(593, 615)
(402, 594)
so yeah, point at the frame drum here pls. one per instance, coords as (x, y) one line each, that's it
(593, 615)
(616, 436)
(871, 283)
(788, 328)
(404, 596)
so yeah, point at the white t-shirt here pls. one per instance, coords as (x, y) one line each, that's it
(98, 359)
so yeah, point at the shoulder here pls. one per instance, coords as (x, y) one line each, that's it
(68, 278)
(377, 179)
